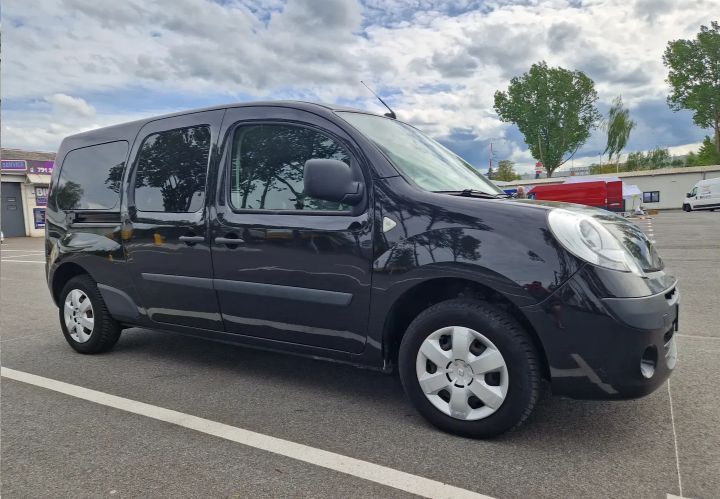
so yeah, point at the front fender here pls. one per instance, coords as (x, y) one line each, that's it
(525, 270)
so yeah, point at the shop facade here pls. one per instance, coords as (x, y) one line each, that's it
(24, 182)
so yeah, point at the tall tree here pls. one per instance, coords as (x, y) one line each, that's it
(506, 171)
(554, 108)
(707, 154)
(694, 77)
(658, 158)
(618, 127)
(636, 161)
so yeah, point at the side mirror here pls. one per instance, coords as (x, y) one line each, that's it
(331, 180)
(689, 195)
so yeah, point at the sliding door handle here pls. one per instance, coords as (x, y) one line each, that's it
(190, 240)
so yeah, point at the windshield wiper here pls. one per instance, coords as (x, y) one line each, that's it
(472, 193)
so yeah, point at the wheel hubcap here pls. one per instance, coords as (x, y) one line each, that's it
(459, 373)
(462, 373)
(79, 315)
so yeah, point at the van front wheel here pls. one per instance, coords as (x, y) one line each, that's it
(469, 368)
(687, 208)
(84, 318)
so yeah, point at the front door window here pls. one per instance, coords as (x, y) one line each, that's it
(267, 163)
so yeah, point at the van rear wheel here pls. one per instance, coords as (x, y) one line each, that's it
(84, 318)
(469, 368)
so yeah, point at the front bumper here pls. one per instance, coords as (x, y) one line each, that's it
(606, 348)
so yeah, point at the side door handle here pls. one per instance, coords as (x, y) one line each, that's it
(191, 240)
(230, 241)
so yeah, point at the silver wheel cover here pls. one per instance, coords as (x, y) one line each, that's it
(79, 315)
(455, 379)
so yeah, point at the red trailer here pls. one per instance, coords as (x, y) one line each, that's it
(607, 195)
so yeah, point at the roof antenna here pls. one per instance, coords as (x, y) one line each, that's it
(391, 114)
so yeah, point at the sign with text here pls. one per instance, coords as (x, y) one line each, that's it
(41, 195)
(41, 167)
(39, 217)
(14, 165)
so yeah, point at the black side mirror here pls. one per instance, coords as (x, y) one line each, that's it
(688, 195)
(331, 180)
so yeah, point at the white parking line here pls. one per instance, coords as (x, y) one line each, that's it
(21, 261)
(24, 255)
(698, 336)
(677, 453)
(337, 462)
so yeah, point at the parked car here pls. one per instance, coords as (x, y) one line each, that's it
(705, 195)
(335, 233)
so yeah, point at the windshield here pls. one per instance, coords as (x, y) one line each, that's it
(426, 162)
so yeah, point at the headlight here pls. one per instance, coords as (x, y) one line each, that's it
(589, 240)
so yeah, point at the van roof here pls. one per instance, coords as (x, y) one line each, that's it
(123, 129)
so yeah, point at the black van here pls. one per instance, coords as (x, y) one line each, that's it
(336, 233)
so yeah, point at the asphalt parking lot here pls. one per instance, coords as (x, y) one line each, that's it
(61, 445)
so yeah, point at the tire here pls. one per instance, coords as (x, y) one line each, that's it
(105, 330)
(687, 208)
(491, 331)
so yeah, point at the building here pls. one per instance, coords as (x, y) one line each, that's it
(24, 182)
(664, 188)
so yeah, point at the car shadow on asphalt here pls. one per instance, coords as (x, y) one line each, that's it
(591, 424)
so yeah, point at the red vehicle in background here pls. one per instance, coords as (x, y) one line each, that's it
(601, 194)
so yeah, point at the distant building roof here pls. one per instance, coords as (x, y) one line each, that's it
(26, 155)
(639, 173)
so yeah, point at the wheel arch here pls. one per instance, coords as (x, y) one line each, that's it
(63, 273)
(434, 290)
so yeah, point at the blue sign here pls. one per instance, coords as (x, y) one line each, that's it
(14, 165)
(39, 217)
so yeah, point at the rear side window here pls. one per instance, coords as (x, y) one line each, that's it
(90, 177)
(172, 170)
(267, 165)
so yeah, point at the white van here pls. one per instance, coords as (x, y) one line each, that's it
(704, 196)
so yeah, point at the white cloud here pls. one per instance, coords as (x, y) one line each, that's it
(314, 50)
(63, 103)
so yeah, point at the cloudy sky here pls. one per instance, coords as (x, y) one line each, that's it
(71, 65)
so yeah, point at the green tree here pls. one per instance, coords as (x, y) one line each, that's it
(491, 173)
(636, 161)
(506, 171)
(618, 127)
(658, 158)
(694, 77)
(677, 163)
(554, 108)
(708, 153)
